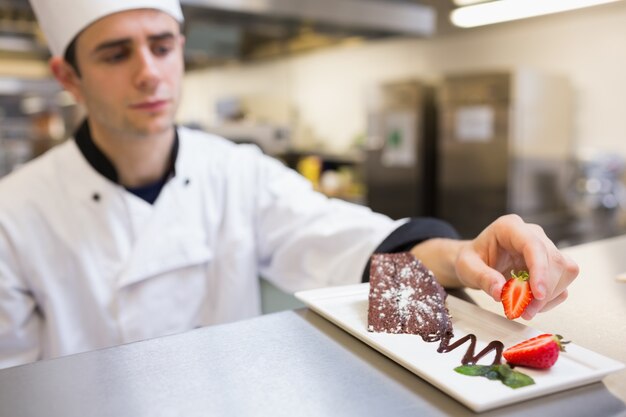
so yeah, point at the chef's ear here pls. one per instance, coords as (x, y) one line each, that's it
(66, 75)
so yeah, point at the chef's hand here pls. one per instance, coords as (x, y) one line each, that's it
(506, 244)
(511, 244)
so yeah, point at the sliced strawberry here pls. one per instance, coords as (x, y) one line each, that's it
(539, 352)
(516, 295)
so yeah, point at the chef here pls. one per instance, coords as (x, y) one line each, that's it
(137, 228)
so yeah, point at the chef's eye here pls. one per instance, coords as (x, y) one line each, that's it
(162, 48)
(113, 57)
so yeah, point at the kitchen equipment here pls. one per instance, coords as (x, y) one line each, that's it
(258, 119)
(35, 115)
(400, 161)
(221, 30)
(596, 196)
(272, 139)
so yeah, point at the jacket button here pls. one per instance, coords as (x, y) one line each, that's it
(95, 197)
(187, 181)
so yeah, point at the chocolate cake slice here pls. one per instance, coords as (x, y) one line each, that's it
(404, 297)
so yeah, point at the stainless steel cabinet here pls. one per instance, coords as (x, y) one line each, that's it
(400, 163)
(504, 147)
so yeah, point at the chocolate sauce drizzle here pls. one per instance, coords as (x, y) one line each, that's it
(470, 358)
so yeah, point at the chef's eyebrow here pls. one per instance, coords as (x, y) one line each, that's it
(126, 41)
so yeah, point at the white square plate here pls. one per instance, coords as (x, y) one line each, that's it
(347, 308)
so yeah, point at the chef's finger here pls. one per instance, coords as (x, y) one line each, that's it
(529, 242)
(475, 273)
(555, 302)
(537, 305)
(560, 273)
(569, 271)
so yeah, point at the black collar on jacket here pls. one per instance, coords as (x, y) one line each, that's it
(99, 161)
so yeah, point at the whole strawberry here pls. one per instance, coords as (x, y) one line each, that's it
(516, 295)
(540, 352)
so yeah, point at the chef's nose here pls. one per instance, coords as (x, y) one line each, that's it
(147, 72)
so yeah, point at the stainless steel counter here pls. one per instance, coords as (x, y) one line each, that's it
(296, 363)
(284, 364)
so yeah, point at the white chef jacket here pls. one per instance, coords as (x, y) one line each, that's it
(85, 264)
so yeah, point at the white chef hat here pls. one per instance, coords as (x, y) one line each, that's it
(62, 20)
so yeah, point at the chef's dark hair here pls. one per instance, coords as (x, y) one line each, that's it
(70, 56)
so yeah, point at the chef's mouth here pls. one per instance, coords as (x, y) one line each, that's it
(150, 105)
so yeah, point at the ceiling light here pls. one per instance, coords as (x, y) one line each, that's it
(507, 10)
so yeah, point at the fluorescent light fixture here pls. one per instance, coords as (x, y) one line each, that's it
(507, 10)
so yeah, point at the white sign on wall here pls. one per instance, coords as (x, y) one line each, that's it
(474, 123)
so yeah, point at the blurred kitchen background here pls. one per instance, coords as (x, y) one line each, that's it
(386, 103)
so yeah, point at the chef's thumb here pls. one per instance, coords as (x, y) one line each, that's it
(475, 273)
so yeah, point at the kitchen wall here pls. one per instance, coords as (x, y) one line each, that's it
(329, 87)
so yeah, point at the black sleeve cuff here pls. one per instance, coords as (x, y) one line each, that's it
(410, 234)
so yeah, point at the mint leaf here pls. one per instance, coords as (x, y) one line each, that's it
(504, 373)
(504, 370)
(473, 370)
(493, 375)
(517, 379)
